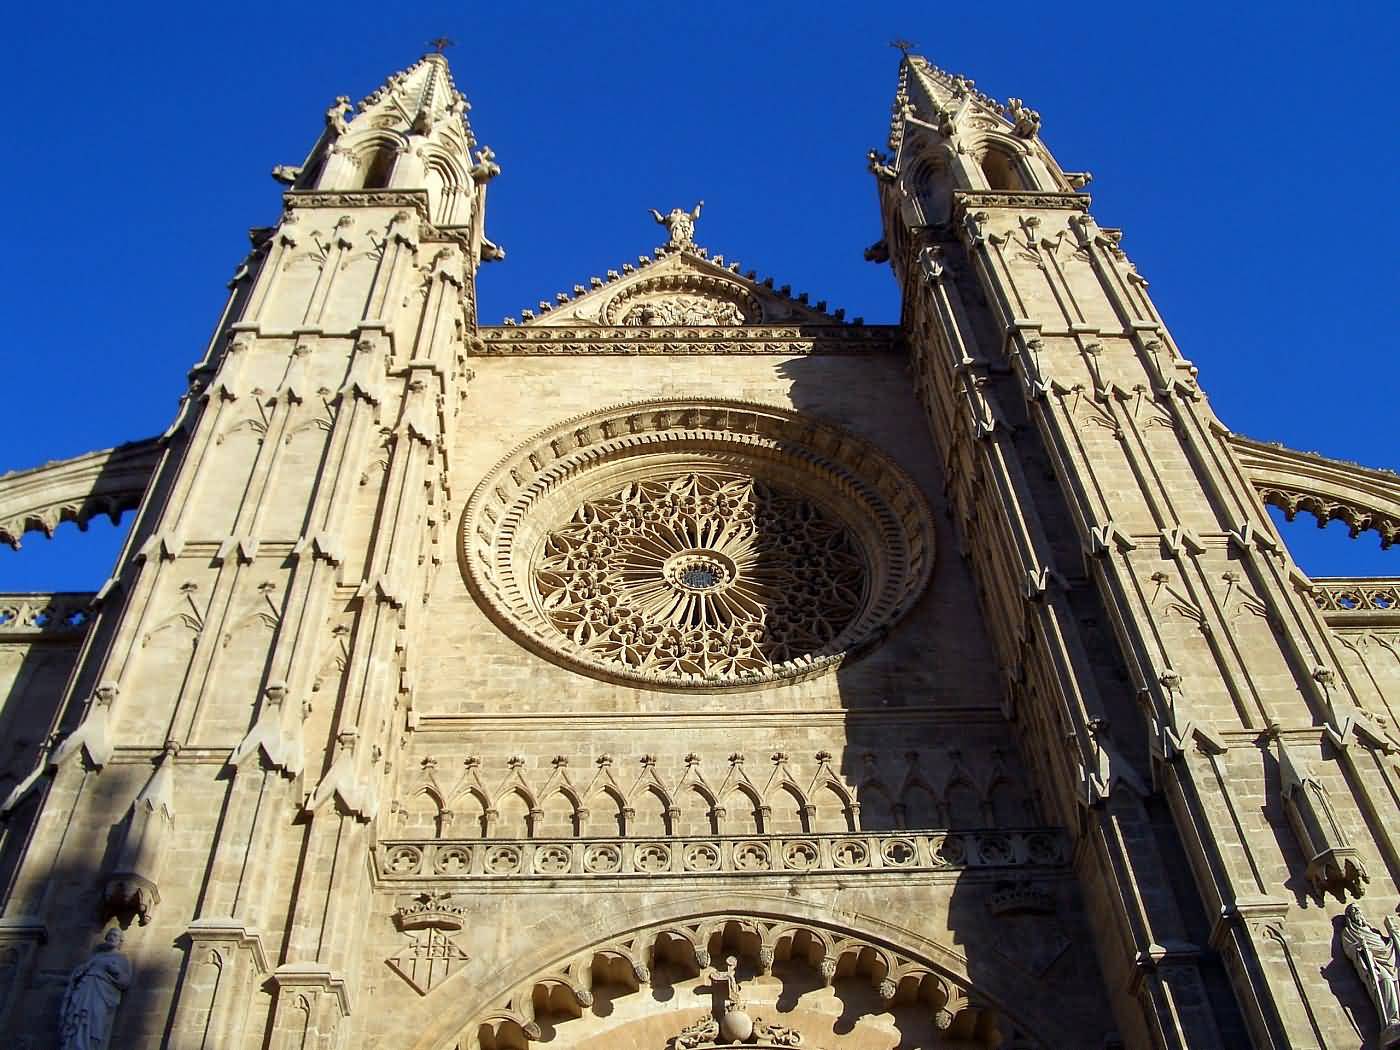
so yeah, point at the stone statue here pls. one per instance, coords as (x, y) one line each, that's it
(1374, 956)
(335, 116)
(94, 991)
(680, 225)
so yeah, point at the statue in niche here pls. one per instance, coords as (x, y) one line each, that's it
(1373, 954)
(94, 992)
(680, 225)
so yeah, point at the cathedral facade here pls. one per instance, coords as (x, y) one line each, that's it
(682, 664)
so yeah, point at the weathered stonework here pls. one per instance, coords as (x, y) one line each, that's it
(757, 678)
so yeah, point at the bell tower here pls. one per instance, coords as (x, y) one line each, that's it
(1166, 661)
(259, 616)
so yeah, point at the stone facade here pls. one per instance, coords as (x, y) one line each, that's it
(681, 665)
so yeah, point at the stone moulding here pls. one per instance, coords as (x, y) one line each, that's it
(1357, 601)
(1328, 489)
(109, 482)
(971, 200)
(911, 977)
(794, 340)
(553, 477)
(63, 615)
(415, 199)
(415, 861)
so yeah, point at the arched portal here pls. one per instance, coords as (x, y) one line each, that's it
(855, 984)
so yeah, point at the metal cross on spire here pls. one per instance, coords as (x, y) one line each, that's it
(441, 43)
(904, 46)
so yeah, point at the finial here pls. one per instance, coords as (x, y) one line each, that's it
(441, 43)
(903, 46)
(680, 224)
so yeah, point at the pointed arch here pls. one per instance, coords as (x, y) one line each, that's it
(789, 808)
(695, 811)
(1007, 804)
(652, 812)
(963, 804)
(374, 152)
(930, 183)
(744, 811)
(446, 181)
(916, 982)
(516, 813)
(478, 804)
(420, 815)
(606, 810)
(834, 808)
(559, 813)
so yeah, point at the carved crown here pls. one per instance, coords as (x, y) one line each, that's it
(1021, 898)
(430, 911)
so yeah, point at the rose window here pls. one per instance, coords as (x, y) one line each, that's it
(683, 545)
(702, 574)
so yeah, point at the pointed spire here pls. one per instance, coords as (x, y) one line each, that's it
(421, 97)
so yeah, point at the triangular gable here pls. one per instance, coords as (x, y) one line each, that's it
(679, 287)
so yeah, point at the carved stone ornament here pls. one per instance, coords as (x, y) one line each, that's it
(682, 310)
(1373, 955)
(1333, 863)
(430, 955)
(685, 545)
(730, 1024)
(682, 299)
(430, 911)
(680, 225)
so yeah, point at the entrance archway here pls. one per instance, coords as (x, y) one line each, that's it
(848, 982)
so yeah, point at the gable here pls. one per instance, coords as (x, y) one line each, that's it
(678, 287)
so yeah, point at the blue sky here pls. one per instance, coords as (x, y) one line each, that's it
(1247, 153)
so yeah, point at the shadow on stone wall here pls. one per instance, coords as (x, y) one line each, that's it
(1030, 922)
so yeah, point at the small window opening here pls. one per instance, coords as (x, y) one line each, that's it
(997, 170)
(379, 167)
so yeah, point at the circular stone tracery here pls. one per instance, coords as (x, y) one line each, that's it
(683, 545)
(701, 573)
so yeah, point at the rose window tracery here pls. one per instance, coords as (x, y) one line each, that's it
(705, 574)
(696, 545)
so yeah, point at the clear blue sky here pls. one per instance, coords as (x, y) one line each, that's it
(1247, 152)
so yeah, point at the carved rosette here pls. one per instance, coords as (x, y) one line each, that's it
(681, 545)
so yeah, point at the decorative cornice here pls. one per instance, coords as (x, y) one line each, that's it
(416, 861)
(971, 200)
(783, 340)
(1357, 601)
(416, 199)
(63, 615)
